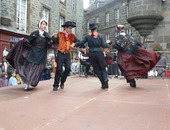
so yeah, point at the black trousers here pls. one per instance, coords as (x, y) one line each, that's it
(98, 62)
(63, 59)
(87, 65)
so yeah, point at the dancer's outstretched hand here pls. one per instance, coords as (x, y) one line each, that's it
(72, 45)
(21, 38)
(54, 35)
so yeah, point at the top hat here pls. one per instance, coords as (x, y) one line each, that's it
(69, 23)
(92, 26)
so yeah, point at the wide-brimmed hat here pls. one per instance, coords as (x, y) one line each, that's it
(92, 26)
(69, 23)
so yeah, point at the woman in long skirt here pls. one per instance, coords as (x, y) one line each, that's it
(134, 60)
(29, 55)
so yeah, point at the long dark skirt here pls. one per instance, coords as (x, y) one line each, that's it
(137, 65)
(29, 72)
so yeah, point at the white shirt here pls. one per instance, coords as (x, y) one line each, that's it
(41, 32)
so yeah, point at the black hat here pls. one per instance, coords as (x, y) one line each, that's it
(92, 26)
(69, 23)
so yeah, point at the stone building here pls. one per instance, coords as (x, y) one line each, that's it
(107, 14)
(148, 21)
(18, 18)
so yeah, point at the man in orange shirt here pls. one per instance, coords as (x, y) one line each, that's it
(63, 40)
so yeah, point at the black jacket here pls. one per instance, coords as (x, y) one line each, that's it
(39, 45)
(94, 44)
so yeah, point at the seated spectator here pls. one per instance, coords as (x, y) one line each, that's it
(49, 68)
(161, 72)
(153, 73)
(10, 69)
(161, 62)
(75, 67)
(84, 60)
(12, 80)
(3, 80)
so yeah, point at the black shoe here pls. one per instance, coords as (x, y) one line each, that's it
(55, 89)
(89, 73)
(132, 83)
(26, 89)
(105, 85)
(62, 86)
(86, 75)
(116, 76)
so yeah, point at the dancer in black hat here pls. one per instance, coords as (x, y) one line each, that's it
(63, 41)
(95, 42)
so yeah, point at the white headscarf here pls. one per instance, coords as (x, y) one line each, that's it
(41, 32)
(41, 22)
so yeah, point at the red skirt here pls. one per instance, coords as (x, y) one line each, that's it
(138, 64)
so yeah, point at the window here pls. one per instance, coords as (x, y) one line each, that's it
(45, 16)
(74, 29)
(127, 11)
(117, 17)
(97, 5)
(97, 20)
(107, 36)
(87, 25)
(62, 21)
(107, 19)
(74, 5)
(21, 15)
(129, 31)
(116, 34)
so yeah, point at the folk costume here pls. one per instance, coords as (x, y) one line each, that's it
(134, 60)
(29, 57)
(63, 42)
(95, 43)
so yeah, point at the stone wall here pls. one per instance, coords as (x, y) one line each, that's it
(8, 14)
(144, 7)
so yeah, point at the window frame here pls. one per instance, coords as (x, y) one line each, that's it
(48, 15)
(19, 15)
(107, 17)
(117, 18)
(73, 5)
(87, 25)
(107, 36)
(97, 20)
(61, 23)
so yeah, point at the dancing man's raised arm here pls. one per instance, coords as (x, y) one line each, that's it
(79, 43)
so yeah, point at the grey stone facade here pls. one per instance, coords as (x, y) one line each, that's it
(34, 14)
(148, 20)
(108, 7)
